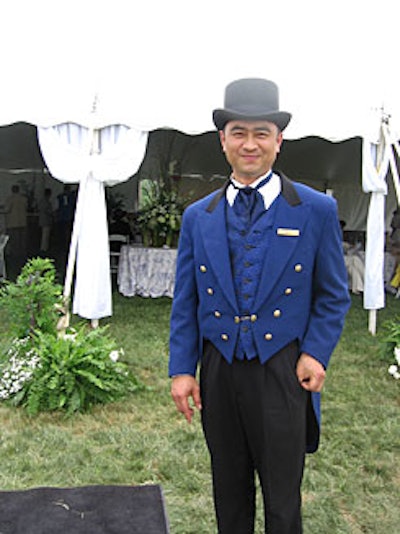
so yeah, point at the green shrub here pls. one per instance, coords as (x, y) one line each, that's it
(33, 302)
(43, 370)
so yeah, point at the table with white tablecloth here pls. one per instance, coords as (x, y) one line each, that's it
(148, 272)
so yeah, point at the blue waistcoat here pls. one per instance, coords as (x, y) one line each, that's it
(248, 248)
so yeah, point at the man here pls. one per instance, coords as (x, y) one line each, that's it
(65, 216)
(260, 299)
(46, 217)
(16, 209)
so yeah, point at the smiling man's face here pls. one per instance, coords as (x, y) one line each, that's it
(251, 148)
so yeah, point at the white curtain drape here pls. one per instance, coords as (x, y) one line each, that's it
(92, 158)
(374, 182)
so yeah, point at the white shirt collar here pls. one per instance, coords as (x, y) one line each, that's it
(269, 191)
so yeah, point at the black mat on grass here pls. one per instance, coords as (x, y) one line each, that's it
(84, 510)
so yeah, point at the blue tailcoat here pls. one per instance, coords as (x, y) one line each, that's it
(302, 293)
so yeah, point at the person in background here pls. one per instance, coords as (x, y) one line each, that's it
(16, 208)
(46, 219)
(395, 226)
(354, 261)
(260, 300)
(119, 226)
(66, 202)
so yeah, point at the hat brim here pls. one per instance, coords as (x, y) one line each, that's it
(222, 116)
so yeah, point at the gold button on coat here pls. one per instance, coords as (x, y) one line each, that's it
(268, 336)
(210, 291)
(298, 267)
(253, 318)
(236, 319)
(224, 337)
(288, 291)
(217, 313)
(203, 268)
(277, 313)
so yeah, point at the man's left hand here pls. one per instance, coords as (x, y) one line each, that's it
(310, 372)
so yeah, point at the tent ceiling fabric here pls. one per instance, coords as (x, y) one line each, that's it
(19, 148)
(311, 160)
(320, 160)
(308, 159)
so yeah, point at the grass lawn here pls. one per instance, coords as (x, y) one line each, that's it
(351, 485)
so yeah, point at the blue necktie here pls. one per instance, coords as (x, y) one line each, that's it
(249, 203)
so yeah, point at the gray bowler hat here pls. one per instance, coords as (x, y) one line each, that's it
(251, 99)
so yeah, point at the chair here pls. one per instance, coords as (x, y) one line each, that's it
(3, 242)
(116, 241)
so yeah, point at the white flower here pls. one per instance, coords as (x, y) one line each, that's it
(19, 368)
(392, 370)
(114, 355)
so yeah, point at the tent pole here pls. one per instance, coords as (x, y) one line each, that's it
(372, 322)
(372, 316)
(64, 321)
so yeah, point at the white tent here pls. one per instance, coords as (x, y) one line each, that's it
(165, 64)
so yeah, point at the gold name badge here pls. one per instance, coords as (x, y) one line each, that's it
(289, 232)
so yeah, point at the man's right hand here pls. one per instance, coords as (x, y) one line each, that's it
(183, 388)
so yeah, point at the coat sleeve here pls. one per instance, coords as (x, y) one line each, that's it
(330, 294)
(184, 333)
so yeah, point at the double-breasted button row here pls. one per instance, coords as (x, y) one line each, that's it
(203, 269)
(268, 336)
(276, 313)
(298, 269)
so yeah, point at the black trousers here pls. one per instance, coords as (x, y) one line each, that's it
(254, 421)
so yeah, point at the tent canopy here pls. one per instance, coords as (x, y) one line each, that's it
(165, 64)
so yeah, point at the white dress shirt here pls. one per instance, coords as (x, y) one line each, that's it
(269, 191)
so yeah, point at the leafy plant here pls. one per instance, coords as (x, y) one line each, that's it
(160, 215)
(391, 345)
(45, 371)
(33, 302)
(75, 372)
